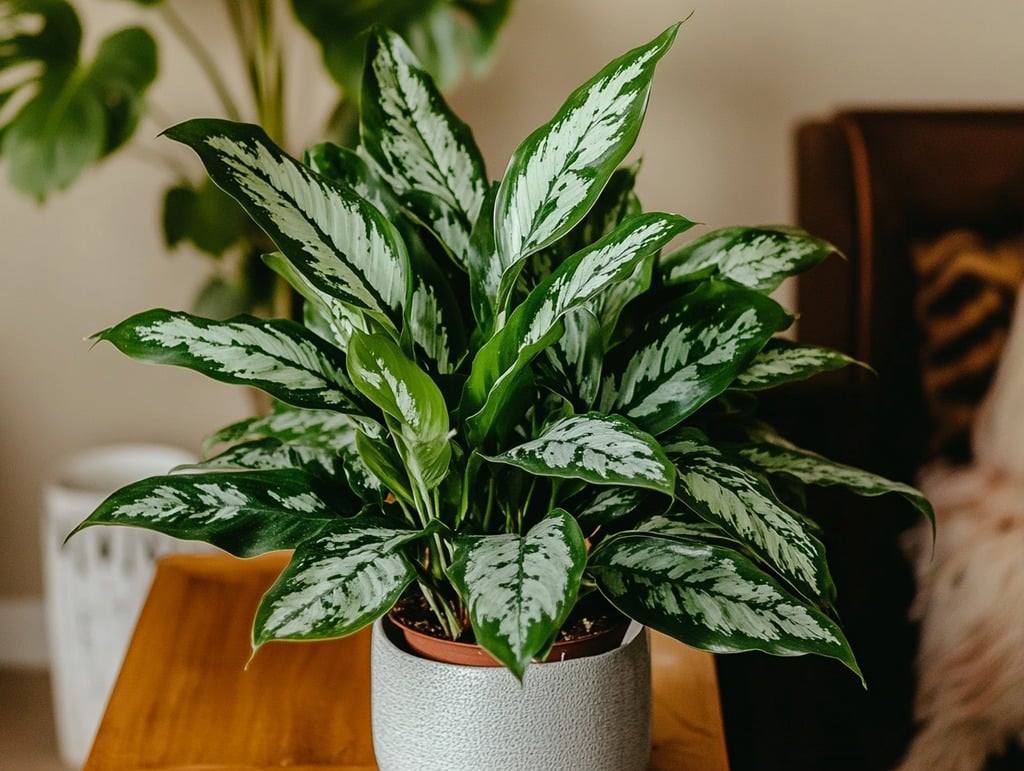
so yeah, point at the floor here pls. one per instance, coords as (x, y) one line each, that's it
(27, 738)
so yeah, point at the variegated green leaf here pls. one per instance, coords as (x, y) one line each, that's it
(520, 589)
(289, 425)
(433, 316)
(311, 439)
(571, 367)
(396, 384)
(687, 354)
(484, 265)
(712, 598)
(277, 356)
(347, 577)
(336, 319)
(616, 202)
(813, 469)
(427, 154)
(385, 464)
(744, 505)
(557, 173)
(535, 324)
(342, 245)
(784, 361)
(608, 505)
(245, 513)
(759, 257)
(272, 454)
(685, 524)
(600, 449)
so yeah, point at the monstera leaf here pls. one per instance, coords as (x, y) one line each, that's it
(75, 112)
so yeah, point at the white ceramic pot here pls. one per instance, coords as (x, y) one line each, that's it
(96, 583)
(590, 713)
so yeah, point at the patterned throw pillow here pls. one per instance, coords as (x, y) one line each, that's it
(963, 305)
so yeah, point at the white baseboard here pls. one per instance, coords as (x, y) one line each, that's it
(23, 633)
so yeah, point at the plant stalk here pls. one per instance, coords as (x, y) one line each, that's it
(203, 58)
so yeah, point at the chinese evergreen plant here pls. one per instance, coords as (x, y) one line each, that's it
(62, 111)
(510, 395)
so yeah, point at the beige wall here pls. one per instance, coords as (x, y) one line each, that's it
(717, 148)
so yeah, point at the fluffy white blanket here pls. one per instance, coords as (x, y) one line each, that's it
(970, 602)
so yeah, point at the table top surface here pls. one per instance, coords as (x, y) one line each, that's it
(186, 697)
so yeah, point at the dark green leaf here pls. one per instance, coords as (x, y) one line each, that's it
(343, 579)
(712, 598)
(245, 513)
(687, 354)
(277, 356)
(520, 589)
(759, 257)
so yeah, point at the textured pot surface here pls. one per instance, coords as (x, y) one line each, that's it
(590, 713)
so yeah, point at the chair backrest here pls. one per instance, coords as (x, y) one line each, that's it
(874, 182)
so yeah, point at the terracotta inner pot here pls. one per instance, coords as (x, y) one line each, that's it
(472, 655)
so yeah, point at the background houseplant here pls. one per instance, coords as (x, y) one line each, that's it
(62, 110)
(590, 427)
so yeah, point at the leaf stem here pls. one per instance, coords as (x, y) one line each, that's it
(203, 59)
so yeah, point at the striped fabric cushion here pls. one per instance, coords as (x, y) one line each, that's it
(964, 304)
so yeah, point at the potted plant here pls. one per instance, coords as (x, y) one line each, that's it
(509, 402)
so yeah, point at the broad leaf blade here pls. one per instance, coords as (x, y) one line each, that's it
(756, 257)
(347, 577)
(396, 384)
(417, 142)
(571, 367)
(712, 598)
(607, 505)
(536, 323)
(783, 361)
(558, 172)
(317, 431)
(433, 315)
(600, 449)
(813, 469)
(687, 354)
(279, 357)
(520, 589)
(342, 244)
(244, 513)
(745, 506)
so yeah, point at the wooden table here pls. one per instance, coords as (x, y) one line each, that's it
(186, 700)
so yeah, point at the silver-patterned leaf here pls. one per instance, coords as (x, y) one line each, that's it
(520, 589)
(433, 315)
(415, 405)
(558, 172)
(813, 469)
(336, 320)
(342, 244)
(600, 449)
(744, 505)
(347, 577)
(537, 322)
(245, 513)
(571, 367)
(277, 356)
(607, 505)
(784, 361)
(427, 154)
(317, 440)
(681, 523)
(712, 598)
(687, 354)
(757, 257)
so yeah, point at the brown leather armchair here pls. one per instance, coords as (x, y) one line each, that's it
(873, 182)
